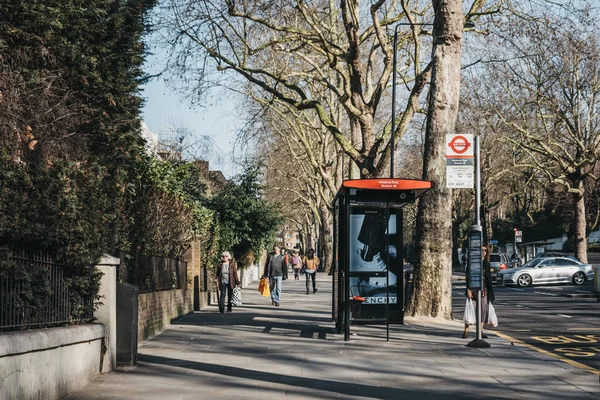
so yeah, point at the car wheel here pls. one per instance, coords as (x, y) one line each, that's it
(579, 278)
(524, 280)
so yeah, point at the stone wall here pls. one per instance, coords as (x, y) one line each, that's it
(158, 309)
(249, 275)
(50, 363)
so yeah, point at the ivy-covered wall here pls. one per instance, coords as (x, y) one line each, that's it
(75, 180)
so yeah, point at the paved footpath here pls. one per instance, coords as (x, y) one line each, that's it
(265, 352)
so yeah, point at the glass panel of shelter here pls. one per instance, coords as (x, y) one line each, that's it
(374, 268)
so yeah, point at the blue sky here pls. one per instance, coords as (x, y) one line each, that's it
(217, 119)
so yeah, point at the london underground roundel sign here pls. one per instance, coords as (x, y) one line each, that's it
(459, 146)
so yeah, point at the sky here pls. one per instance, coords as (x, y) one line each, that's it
(216, 119)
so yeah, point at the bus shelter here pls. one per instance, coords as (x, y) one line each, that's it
(368, 278)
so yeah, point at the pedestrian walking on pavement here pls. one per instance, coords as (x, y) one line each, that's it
(487, 294)
(296, 264)
(227, 279)
(311, 263)
(276, 270)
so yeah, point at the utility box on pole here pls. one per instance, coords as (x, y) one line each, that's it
(475, 258)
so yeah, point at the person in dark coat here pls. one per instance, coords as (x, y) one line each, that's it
(276, 270)
(227, 279)
(487, 294)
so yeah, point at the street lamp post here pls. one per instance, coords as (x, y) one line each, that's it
(468, 24)
(393, 133)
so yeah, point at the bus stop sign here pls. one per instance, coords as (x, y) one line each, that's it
(475, 267)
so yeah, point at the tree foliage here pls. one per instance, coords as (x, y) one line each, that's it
(69, 130)
(246, 222)
(69, 107)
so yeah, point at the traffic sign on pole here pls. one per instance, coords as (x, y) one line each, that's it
(459, 161)
(518, 236)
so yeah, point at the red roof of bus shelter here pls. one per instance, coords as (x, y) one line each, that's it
(388, 184)
(420, 187)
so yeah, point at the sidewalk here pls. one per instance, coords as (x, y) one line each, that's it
(264, 352)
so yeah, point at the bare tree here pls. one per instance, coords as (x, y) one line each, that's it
(549, 102)
(286, 49)
(289, 49)
(432, 294)
(302, 169)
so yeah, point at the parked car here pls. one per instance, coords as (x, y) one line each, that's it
(540, 271)
(546, 254)
(498, 262)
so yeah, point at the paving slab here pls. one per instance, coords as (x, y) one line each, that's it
(260, 351)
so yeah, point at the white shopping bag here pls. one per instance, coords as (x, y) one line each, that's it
(469, 317)
(492, 318)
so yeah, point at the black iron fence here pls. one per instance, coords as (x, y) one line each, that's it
(152, 274)
(36, 292)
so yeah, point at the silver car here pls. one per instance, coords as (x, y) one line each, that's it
(498, 262)
(540, 271)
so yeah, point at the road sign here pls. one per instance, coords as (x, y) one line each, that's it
(493, 241)
(459, 146)
(518, 236)
(459, 161)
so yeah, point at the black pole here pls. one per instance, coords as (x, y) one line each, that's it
(346, 248)
(393, 133)
(468, 24)
(387, 277)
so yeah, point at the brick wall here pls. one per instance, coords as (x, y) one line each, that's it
(198, 278)
(158, 309)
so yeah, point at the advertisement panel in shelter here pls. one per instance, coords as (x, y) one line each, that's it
(373, 241)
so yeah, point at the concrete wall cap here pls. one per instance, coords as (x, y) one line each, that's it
(26, 341)
(109, 260)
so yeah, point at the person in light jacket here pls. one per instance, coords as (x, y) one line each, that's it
(310, 263)
(227, 279)
(296, 264)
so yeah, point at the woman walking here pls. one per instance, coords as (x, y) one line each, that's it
(227, 279)
(487, 294)
(296, 264)
(310, 262)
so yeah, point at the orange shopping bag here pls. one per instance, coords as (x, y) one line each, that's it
(263, 287)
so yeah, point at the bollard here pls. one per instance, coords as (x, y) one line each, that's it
(596, 269)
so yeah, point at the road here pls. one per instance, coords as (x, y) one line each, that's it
(544, 319)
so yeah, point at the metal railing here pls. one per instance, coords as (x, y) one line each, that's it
(151, 273)
(37, 292)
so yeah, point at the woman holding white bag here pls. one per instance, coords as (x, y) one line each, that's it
(227, 280)
(487, 294)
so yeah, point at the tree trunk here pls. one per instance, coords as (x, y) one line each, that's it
(432, 293)
(326, 239)
(456, 244)
(580, 222)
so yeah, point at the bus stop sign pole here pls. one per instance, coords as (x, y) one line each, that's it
(475, 259)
